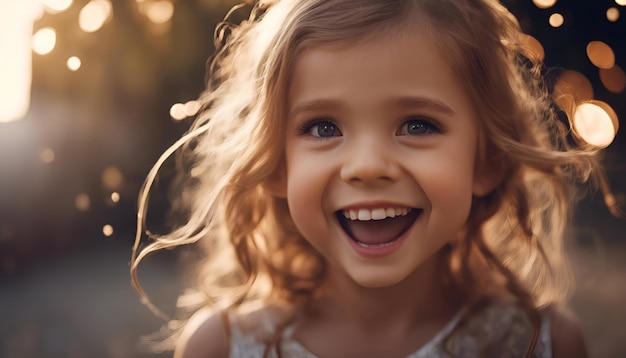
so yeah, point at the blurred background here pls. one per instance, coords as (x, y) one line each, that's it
(92, 92)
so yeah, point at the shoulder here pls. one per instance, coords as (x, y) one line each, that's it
(567, 334)
(220, 334)
(205, 335)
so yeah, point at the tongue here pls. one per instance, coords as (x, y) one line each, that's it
(378, 232)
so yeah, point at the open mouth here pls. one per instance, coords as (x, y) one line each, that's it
(377, 227)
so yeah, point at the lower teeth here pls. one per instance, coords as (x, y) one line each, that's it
(375, 245)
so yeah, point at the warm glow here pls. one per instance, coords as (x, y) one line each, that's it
(532, 47)
(16, 20)
(160, 12)
(601, 54)
(44, 41)
(613, 79)
(82, 202)
(596, 123)
(544, 4)
(56, 6)
(112, 178)
(192, 108)
(107, 230)
(178, 112)
(621, 2)
(47, 155)
(115, 197)
(93, 15)
(73, 63)
(556, 20)
(612, 14)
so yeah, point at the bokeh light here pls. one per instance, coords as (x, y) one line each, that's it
(612, 14)
(112, 178)
(159, 12)
(94, 14)
(600, 54)
(572, 87)
(47, 155)
(56, 6)
(73, 63)
(192, 108)
(107, 230)
(556, 20)
(596, 123)
(115, 197)
(44, 40)
(82, 202)
(621, 2)
(544, 4)
(613, 79)
(178, 112)
(532, 48)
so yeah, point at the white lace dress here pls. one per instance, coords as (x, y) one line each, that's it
(502, 331)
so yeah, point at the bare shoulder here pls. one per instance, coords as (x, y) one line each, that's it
(567, 334)
(205, 335)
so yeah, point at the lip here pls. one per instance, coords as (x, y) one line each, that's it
(378, 251)
(374, 205)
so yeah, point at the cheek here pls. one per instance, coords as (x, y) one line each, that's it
(305, 191)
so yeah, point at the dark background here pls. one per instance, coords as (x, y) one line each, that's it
(64, 285)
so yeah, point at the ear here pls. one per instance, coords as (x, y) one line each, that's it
(276, 184)
(487, 177)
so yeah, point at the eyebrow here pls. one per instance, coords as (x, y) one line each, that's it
(404, 102)
(314, 105)
(425, 103)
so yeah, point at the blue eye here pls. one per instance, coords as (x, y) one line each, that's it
(321, 129)
(418, 127)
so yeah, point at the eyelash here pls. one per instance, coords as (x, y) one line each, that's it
(431, 125)
(306, 127)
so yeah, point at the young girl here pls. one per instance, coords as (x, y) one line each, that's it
(376, 178)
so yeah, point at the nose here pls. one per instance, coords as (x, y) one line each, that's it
(370, 162)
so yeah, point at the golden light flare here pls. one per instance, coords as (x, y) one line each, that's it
(57, 6)
(112, 178)
(44, 41)
(556, 20)
(571, 88)
(74, 63)
(47, 155)
(107, 230)
(532, 47)
(178, 112)
(613, 79)
(82, 202)
(94, 14)
(544, 4)
(596, 123)
(16, 51)
(612, 14)
(600, 54)
(620, 2)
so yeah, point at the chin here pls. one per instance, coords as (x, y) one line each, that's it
(377, 277)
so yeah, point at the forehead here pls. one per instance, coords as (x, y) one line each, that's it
(379, 68)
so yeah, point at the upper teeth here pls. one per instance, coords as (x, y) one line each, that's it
(374, 214)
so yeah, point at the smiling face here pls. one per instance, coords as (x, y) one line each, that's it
(380, 155)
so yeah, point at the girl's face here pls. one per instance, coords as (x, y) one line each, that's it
(380, 155)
